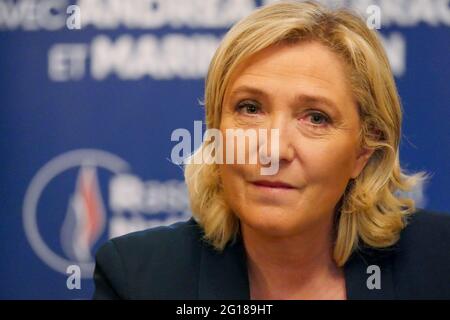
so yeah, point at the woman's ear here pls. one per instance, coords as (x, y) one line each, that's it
(362, 157)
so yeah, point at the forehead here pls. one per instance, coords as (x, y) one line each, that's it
(305, 68)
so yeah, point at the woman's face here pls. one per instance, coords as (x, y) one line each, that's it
(300, 89)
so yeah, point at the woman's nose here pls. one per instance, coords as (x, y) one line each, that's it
(284, 140)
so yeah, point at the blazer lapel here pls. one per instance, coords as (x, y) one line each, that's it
(223, 276)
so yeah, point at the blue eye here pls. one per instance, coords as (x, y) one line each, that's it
(248, 107)
(318, 118)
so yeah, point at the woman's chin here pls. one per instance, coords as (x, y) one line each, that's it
(272, 225)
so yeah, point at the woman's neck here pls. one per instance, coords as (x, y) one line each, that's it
(295, 267)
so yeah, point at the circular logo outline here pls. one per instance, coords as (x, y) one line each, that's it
(44, 175)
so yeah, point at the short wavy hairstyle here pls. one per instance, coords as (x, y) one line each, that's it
(371, 209)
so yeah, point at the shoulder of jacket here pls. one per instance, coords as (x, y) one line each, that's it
(161, 235)
(425, 227)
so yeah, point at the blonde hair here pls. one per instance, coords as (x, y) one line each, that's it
(370, 208)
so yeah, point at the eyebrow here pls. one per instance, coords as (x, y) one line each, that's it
(302, 98)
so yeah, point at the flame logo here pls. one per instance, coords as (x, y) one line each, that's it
(85, 217)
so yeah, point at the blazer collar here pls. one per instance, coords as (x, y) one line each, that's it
(223, 276)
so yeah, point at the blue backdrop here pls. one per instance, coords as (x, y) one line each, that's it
(87, 115)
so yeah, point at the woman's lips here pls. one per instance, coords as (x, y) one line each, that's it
(272, 192)
(272, 184)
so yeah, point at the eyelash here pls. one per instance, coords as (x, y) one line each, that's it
(243, 105)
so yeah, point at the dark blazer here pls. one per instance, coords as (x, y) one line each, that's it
(175, 263)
